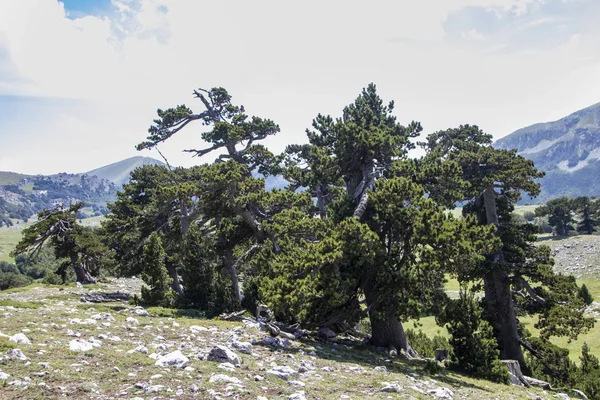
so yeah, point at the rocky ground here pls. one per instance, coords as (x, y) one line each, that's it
(56, 343)
(575, 255)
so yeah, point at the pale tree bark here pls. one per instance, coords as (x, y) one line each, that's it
(175, 283)
(82, 274)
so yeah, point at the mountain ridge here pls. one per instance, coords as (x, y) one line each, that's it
(567, 149)
(22, 196)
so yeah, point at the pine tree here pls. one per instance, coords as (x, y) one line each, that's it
(155, 274)
(560, 213)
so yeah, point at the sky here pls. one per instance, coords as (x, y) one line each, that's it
(80, 80)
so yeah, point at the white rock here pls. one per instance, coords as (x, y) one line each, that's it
(227, 367)
(391, 387)
(141, 348)
(223, 354)
(155, 388)
(20, 338)
(132, 321)
(16, 354)
(562, 396)
(298, 396)
(221, 378)
(442, 393)
(380, 369)
(282, 371)
(297, 384)
(141, 312)
(197, 328)
(244, 347)
(80, 345)
(174, 359)
(4, 376)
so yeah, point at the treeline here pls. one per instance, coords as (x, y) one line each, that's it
(565, 215)
(362, 233)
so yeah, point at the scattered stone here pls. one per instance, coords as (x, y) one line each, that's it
(80, 345)
(562, 396)
(243, 347)
(297, 384)
(223, 354)
(442, 393)
(16, 354)
(174, 359)
(141, 312)
(220, 378)
(391, 387)
(298, 396)
(155, 388)
(132, 321)
(20, 338)
(380, 369)
(282, 371)
(4, 376)
(229, 367)
(194, 388)
(141, 348)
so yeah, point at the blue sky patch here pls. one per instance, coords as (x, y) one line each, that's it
(81, 8)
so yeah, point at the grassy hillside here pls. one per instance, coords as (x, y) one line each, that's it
(127, 340)
(9, 237)
(11, 178)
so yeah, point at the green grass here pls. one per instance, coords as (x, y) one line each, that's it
(9, 237)
(20, 304)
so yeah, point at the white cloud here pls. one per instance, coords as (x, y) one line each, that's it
(289, 61)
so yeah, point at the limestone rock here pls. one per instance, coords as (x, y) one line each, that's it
(20, 338)
(283, 371)
(80, 345)
(243, 347)
(442, 393)
(174, 359)
(221, 378)
(223, 354)
(16, 354)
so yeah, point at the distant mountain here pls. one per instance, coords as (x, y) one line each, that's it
(22, 196)
(118, 172)
(568, 150)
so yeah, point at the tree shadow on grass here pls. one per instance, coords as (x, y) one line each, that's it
(369, 357)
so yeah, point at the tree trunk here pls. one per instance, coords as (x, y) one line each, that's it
(498, 295)
(81, 273)
(231, 270)
(501, 310)
(175, 283)
(386, 330)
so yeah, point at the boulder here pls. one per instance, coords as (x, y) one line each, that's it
(20, 338)
(283, 371)
(80, 345)
(174, 359)
(16, 354)
(223, 354)
(244, 347)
